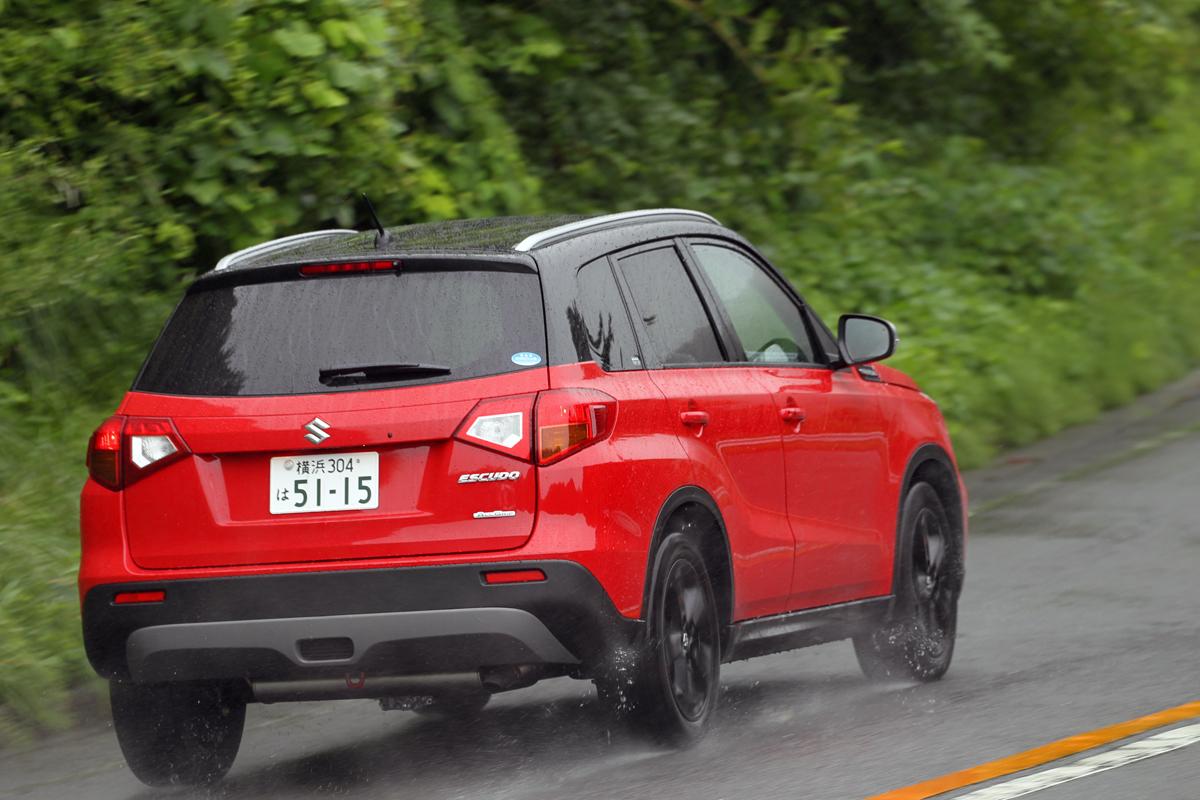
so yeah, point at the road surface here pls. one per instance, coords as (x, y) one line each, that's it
(1081, 610)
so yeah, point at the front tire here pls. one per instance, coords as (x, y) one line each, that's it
(670, 692)
(917, 641)
(178, 734)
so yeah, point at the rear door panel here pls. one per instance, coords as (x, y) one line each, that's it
(737, 451)
(738, 456)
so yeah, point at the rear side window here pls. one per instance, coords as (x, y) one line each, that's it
(600, 325)
(679, 328)
(769, 324)
(277, 338)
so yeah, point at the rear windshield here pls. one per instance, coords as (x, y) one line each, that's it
(276, 338)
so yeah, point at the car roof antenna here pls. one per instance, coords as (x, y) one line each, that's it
(382, 237)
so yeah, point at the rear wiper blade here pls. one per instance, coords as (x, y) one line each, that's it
(378, 373)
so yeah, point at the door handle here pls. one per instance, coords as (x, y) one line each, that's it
(693, 418)
(791, 415)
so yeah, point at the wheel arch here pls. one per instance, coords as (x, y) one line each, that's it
(713, 542)
(932, 464)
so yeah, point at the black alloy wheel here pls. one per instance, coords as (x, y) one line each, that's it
(671, 692)
(688, 643)
(917, 641)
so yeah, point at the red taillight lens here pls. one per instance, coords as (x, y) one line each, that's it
(569, 420)
(501, 424)
(104, 453)
(124, 449)
(348, 266)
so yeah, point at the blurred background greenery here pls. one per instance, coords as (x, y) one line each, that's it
(1013, 182)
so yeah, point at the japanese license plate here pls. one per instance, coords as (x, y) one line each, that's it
(325, 482)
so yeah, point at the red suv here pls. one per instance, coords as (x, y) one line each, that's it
(448, 460)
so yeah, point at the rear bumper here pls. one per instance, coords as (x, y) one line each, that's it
(317, 625)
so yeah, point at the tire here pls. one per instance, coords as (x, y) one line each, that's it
(916, 642)
(464, 705)
(178, 734)
(670, 689)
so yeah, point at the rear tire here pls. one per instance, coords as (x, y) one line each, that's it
(670, 689)
(916, 642)
(178, 734)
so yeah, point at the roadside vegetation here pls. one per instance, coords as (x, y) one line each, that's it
(1015, 183)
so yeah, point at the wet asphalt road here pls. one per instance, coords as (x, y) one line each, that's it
(1082, 609)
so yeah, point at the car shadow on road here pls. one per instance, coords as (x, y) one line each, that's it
(506, 746)
(425, 750)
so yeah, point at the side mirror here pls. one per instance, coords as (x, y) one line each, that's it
(862, 338)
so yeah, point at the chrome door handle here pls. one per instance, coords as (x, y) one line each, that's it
(693, 418)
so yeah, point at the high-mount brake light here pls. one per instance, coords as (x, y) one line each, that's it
(501, 424)
(124, 449)
(569, 420)
(344, 267)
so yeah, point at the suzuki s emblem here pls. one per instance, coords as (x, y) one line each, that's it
(317, 430)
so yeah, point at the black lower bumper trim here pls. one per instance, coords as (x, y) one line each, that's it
(400, 621)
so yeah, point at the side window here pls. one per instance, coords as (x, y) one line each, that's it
(600, 326)
(679, 328)
(765, 318)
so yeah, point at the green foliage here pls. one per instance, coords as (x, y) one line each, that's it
(1012, 182)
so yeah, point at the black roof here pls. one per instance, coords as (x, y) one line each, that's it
(488, 236)
(492, 235)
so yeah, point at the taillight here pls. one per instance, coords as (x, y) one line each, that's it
(349, 266)
(104, 453)
(569, 420)
(501, 424)
(124, 449)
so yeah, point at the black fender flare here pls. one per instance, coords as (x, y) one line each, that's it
(930, 451)
(686, 495)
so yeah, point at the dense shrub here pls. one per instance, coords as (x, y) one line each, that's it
(1014, 183)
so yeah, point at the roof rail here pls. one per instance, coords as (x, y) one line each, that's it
(536, 240)
(278, 244)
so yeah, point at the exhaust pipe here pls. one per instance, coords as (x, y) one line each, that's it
(516, 676)
(363, 686)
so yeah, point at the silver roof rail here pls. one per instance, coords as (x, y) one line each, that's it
(278, 244)
(535, 240)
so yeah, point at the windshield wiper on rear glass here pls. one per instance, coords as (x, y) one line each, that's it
(378, 373)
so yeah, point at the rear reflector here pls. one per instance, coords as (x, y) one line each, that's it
(348, 266)
(124, 598)
(514, 576)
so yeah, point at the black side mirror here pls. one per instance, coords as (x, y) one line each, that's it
(862, 338)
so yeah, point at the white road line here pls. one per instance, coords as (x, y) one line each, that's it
(1118, 757)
